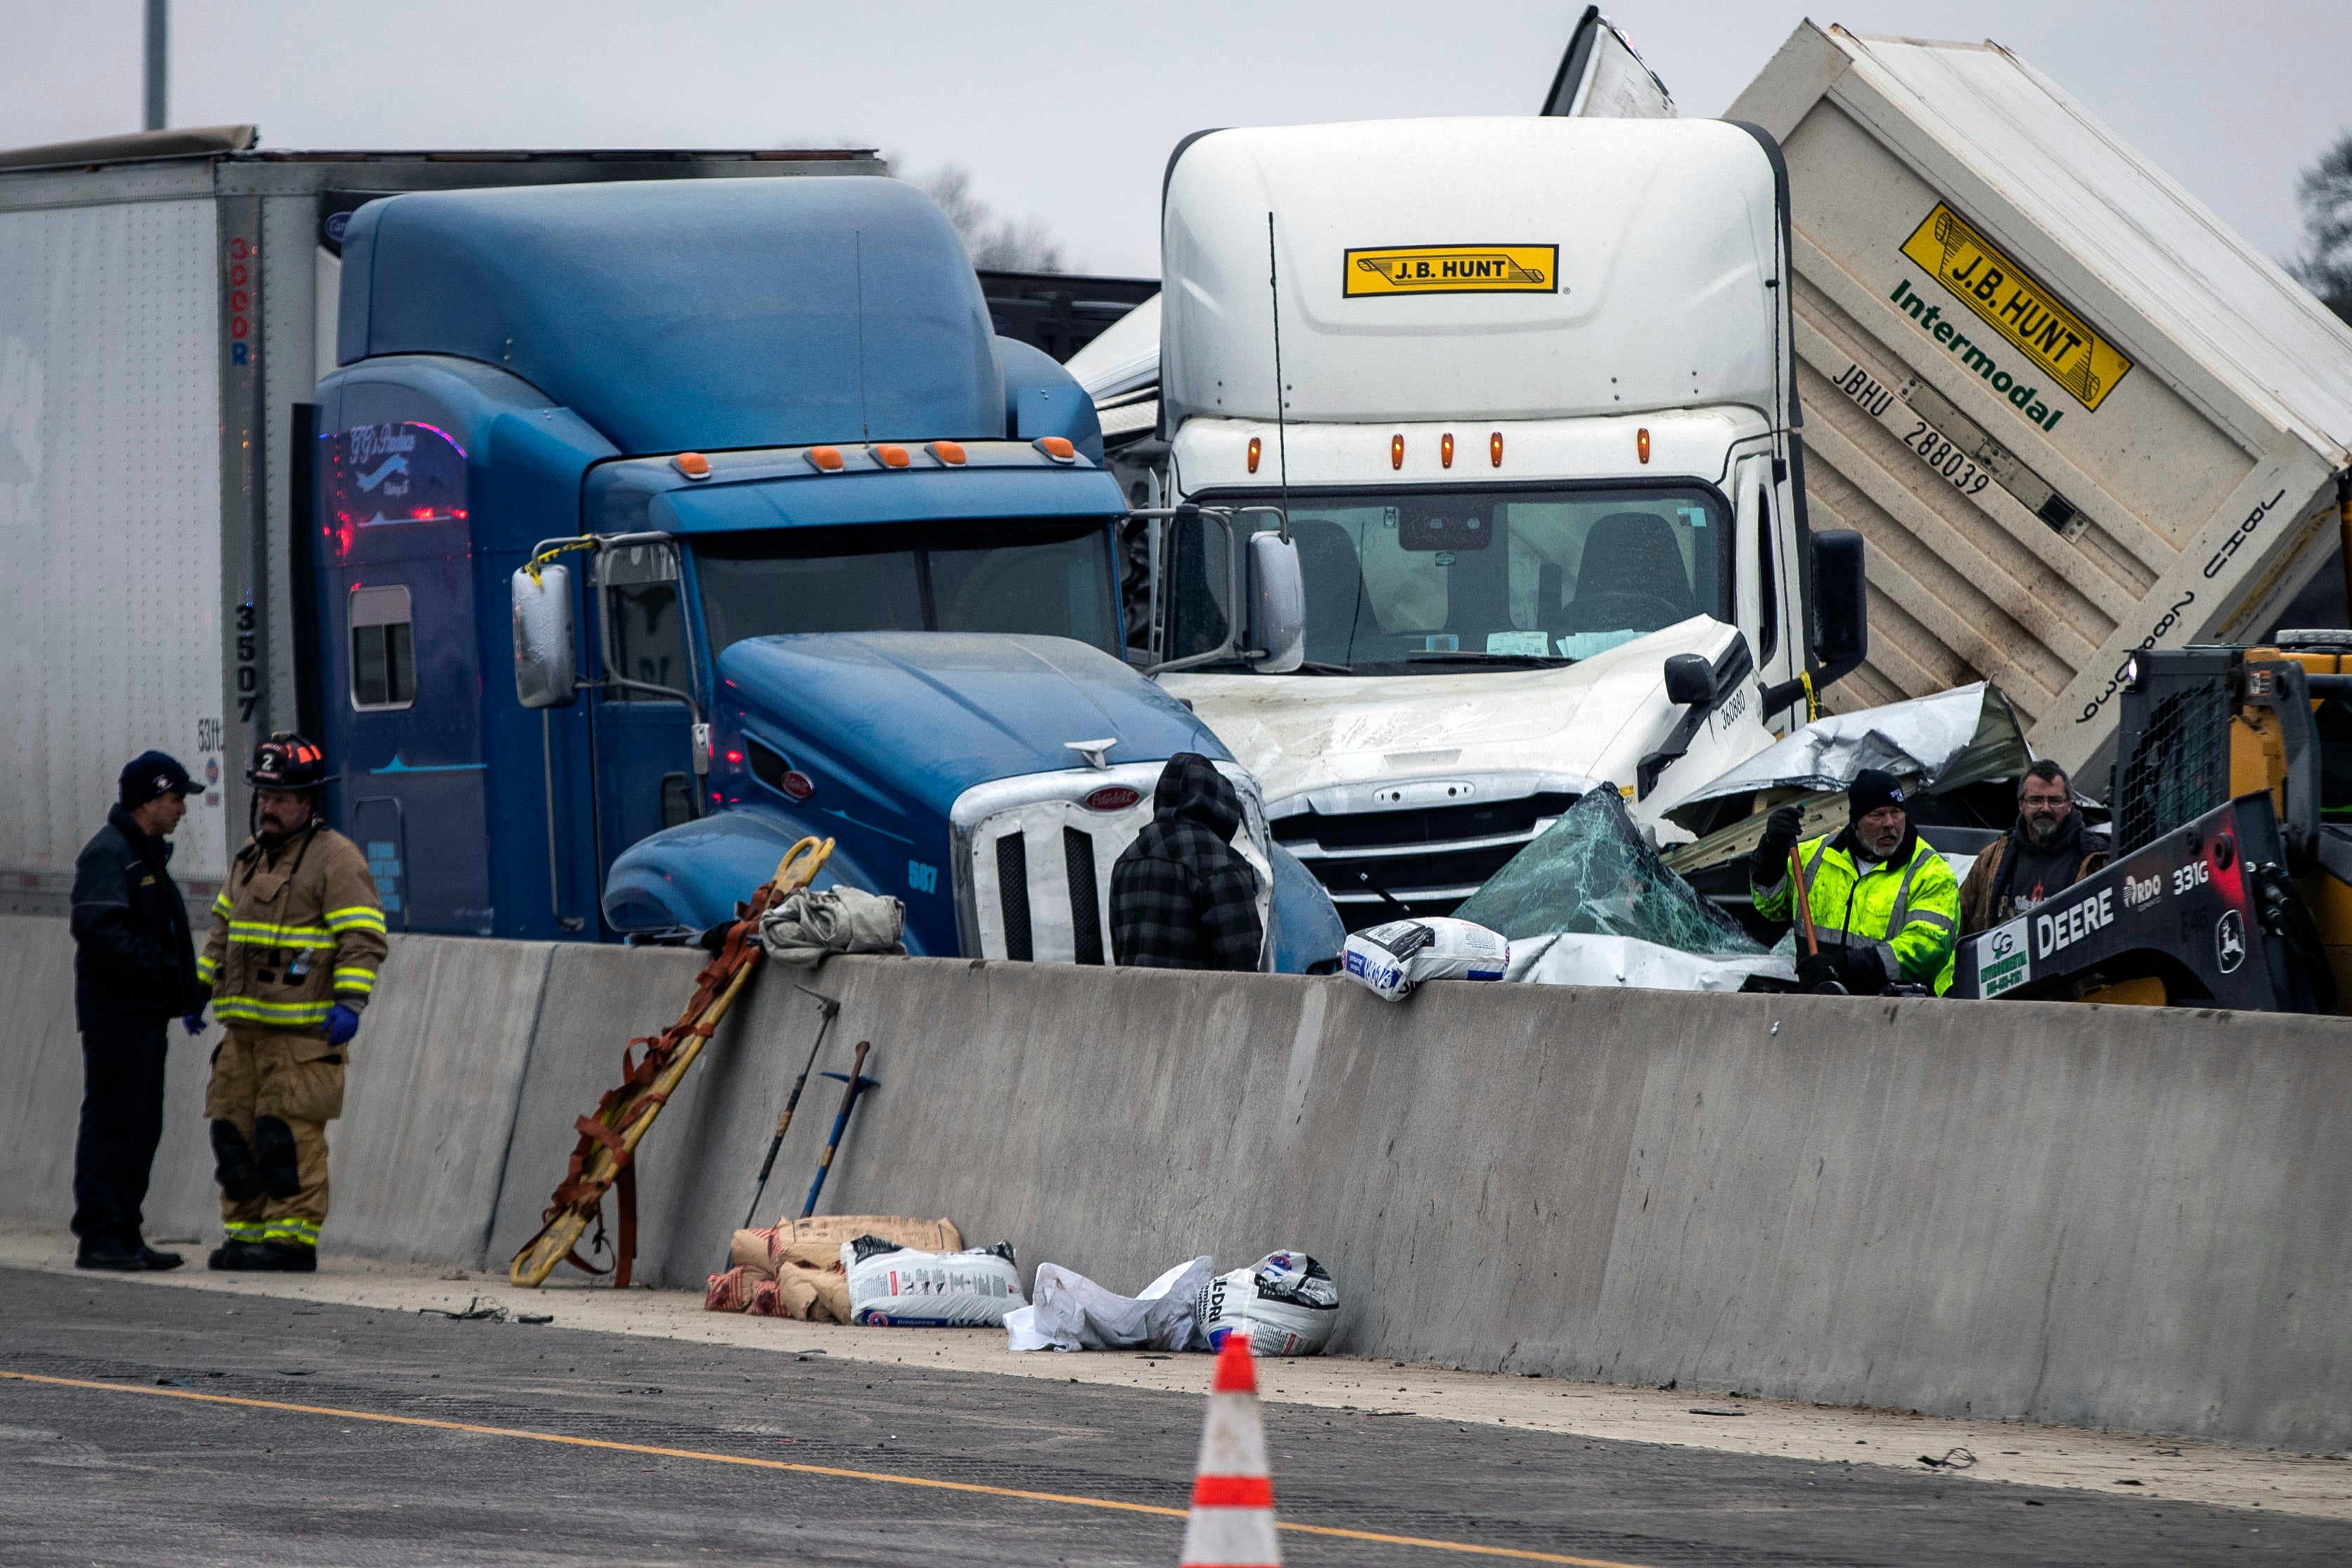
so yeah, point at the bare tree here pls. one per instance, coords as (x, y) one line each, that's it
(997, 243)
(2325, 195)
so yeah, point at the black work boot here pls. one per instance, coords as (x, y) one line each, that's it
(235, 1255)
(285, 1257)
(158, 1259)
(109, 1255)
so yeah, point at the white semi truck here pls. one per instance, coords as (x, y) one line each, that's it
(1537, 446)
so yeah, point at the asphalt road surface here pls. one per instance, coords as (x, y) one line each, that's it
(141, 1425)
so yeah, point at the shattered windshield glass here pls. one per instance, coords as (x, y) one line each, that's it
(1591, 872)
(1427, 580)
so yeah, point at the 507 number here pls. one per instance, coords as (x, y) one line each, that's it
(1947, 459)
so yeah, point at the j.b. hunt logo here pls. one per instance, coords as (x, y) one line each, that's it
(1452, 269)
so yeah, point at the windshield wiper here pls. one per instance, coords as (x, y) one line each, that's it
(1468, 656)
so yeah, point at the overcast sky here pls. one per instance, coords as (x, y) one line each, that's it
(1067, 112)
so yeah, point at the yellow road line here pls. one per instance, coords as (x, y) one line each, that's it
(1462, 1547)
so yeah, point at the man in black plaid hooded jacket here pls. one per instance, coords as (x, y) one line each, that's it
(1181, 898)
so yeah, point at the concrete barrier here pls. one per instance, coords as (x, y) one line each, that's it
(429, 1102)
(596, 1000)
(2099, 1215)
(40, 1093)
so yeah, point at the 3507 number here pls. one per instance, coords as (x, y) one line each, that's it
(1947, 459)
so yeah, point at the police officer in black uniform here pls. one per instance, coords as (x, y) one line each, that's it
(134, 971)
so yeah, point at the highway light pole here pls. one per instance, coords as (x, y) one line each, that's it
(159, 30)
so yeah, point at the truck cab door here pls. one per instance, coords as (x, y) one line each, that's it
(1766, 597)
(642, 722)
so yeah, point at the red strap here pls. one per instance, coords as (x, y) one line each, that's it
(626, 1254)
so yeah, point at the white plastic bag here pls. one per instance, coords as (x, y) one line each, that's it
(1286, 1302)
(898, 1287)
(1073, 1313)
(1390, 960)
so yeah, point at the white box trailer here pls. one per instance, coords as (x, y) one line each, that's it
(2073, 413)
(167, 306)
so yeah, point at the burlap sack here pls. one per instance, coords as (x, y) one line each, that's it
(802, 1259)
(728, 1292)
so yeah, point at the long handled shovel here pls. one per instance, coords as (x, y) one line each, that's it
(831, 1009)
(1804, 898)
(852, 1085)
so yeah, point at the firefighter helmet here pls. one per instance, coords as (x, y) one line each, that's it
(287, 761)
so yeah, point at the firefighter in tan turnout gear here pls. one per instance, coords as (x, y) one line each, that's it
(298, 937)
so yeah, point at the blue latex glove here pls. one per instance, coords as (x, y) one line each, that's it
(195, 1022)
(342, 1024)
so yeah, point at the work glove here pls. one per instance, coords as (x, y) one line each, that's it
(195, 1022)
(1769, 864)
(1866, 971)
(342, 1024)
(1822, 972)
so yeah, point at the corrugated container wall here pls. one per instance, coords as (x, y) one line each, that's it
(2070, 411)
(109, 516)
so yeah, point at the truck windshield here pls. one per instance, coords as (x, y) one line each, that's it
(1049, 577)
(1433, 581)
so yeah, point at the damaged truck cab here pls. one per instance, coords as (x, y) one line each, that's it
(1536, 443)
(659, 525)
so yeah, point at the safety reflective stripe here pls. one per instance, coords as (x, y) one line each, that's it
(262, 933)
(249, 1009)
(205, 968)
(241, 1231)
(304, 1231)
(359, 917)
(221, 904)
(1940, 922)
(359, 980)
(1897, 922)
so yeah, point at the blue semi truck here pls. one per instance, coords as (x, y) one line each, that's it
(656, 526)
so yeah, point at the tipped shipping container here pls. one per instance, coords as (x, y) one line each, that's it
(2071, 412)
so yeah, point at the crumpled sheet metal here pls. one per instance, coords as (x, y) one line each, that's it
(1591, 873)
(1951, 738)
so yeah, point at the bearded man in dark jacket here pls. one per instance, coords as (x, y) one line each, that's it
(1181, 897)
(2043, 854)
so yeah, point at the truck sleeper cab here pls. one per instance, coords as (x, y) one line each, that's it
(599, 644)
(1530, 462)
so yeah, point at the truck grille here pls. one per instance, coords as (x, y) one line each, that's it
(1032, 861)
(1427, 859)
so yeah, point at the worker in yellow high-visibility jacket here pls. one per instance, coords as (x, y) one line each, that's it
(298, 937)
(1887, 909)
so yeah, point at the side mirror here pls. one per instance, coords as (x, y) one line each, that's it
(1277, 621)
(1840, 604)
(1690, 678)
(545, 671)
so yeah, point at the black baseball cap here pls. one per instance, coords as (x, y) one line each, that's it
(151, 774)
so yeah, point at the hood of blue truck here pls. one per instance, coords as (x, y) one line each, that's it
(912, 719)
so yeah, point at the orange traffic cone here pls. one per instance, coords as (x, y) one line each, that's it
(1232, 1522)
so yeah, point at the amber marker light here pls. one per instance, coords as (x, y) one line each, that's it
(826, 459)
(1253, 453)
(892, 456)
(1396, 451)
(1446, 450)
(1495, 449)
(947, 452)
(1642, 444)
(693, 464)
(1058, 448)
